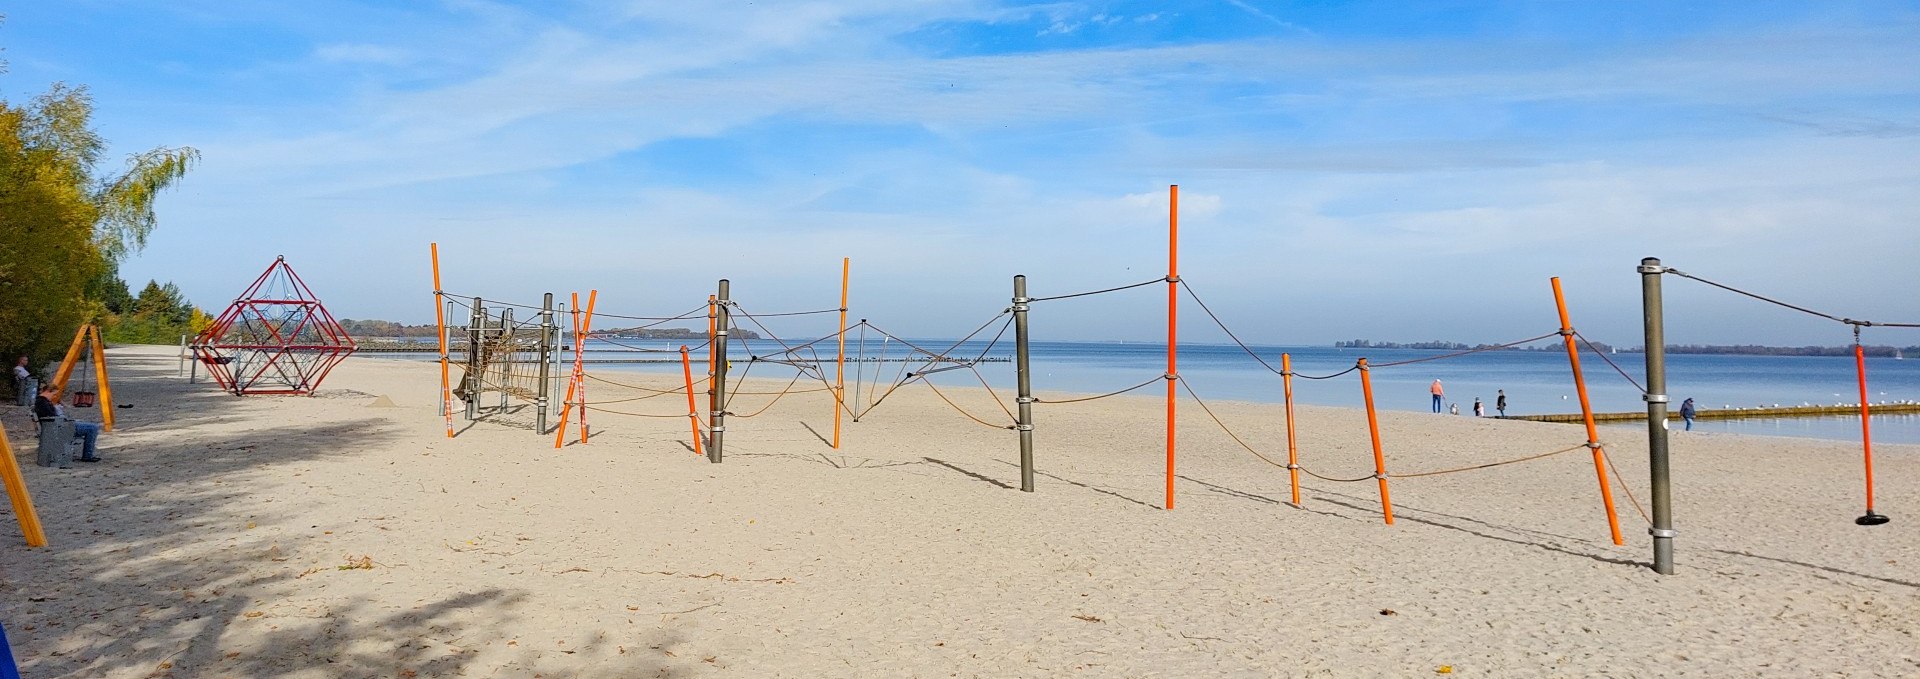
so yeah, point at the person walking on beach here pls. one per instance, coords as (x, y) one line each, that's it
(1500, 403)
(1686, 413)
(1479, 409)
(1439, 394)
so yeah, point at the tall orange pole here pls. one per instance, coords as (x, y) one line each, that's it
(573, 379)
(1586, 412)
(579, 364)
(1866, 431)
(693, 411)
(440, 321)
(1373, 429)
(100, 368)
(16, 486)
(65, 372)
(1173, 309)
(840, 369)
(1293, 450)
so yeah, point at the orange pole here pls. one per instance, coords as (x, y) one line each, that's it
(580, 365)
(1373, 429)
(840, 364)
(66, 364)
(693, 411)
(440, 320)
(1586, 412)
(573, 379)
(1866, 426)
(16, 486)
(100, 367)
(1173, 309)
(1293, 450)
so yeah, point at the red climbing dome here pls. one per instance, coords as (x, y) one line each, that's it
(275, 339)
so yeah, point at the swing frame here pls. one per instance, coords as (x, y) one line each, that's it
(88, 336)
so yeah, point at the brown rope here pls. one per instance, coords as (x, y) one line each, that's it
(776, 399)
(1136, 387)
(1487, 465)
(1623, 486)
(963, 411)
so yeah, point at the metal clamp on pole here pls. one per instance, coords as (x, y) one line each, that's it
(1667, 533)
(1654, 398)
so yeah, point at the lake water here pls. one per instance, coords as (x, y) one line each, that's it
(1536, 382)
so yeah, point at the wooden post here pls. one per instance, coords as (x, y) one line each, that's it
(1586, 412)
(717, 396)
(1293, 450)
(17, 494)
(1173, 309)
(100, 367)
(1373, 429)
(440, 320)
(693, 411)
(840, 364)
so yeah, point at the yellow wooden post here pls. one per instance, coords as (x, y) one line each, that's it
(100, 366)
(17, 493)
(66, 364)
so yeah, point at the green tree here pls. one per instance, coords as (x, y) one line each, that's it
(63, 225)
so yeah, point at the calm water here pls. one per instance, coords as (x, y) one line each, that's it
(1536, 382)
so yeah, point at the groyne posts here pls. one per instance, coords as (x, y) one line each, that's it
(1373, 430)
(547, 338)
(1024, 378)
(1293, 449)
(1656, 397)
(1173, 313)
(1586, 413)
(717, 399)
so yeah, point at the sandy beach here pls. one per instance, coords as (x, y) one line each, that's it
(335, 537)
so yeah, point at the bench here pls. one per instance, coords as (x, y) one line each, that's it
(56, 443)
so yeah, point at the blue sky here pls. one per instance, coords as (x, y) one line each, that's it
(1389, 170)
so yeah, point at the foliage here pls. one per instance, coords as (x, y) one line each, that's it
(160, 315)
(63, 228)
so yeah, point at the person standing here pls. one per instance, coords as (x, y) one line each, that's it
(1479, 409)
(1439, 395)
(1500, 403)
(22, 382)
(1686, 413)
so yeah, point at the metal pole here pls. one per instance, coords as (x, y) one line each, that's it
(1586, 413)
(716, 403)
(507, 369)
(183, 357)
(1025, 377)
(475, 318)
(1866, 432)
(1656, 397)
(546, 358)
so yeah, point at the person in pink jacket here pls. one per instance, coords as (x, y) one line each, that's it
(1439, 395)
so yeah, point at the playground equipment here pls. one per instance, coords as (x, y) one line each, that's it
(276, 338)
(22, 501)
(87, 346)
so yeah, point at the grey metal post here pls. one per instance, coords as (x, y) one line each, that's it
(507, 369)
(546, 356)
(476, 316)
(183, 356)
(717, 400)
(1656, 397)
(1025, 377)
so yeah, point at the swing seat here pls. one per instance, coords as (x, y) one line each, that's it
(84, 399)
(219, 360)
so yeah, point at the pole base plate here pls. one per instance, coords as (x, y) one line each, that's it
(1872, 519)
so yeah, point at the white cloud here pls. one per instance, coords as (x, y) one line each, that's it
(361, 54)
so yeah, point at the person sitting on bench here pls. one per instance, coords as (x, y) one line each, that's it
(47, 408)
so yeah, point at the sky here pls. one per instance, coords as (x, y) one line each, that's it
(1391, 171)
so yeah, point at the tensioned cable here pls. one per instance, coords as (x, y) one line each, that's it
(1475, 350)
(1355, 366)
(1097, 292)
(1223, 326)
(1773, 301)
(1487, 465)
(963, 411)
(1603, 356)
(1156, 378)
(1617, 476)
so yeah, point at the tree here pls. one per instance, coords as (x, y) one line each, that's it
(62, 226)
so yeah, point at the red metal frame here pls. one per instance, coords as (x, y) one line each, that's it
(254, 327)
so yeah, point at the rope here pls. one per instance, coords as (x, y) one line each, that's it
(1097, 292)
(680, 390)
(803, 313)
(619, 412)
(1355, 366)
(1474, 350)
(1603, 356)
(1223, 326)
(776, 398)
(963, 411)
(1617, 476)
(697, 312)
(1773, 301)
(1487, 465)
(1156, 378)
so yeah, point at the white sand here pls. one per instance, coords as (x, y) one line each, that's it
(209, 545)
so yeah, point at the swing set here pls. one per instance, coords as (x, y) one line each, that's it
(92, 377)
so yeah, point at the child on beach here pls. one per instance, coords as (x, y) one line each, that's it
(1479, 409)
